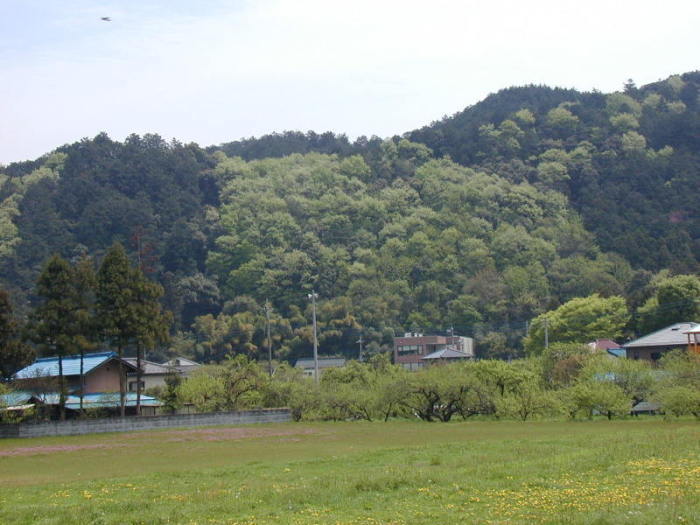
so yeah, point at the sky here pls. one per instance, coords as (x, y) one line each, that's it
(215, 71)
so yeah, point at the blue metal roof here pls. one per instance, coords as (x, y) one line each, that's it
(48, 366)
(15, 398)
(617, 352)
(99, 400)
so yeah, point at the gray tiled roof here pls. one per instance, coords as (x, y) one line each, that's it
(673, 335)
(447, 353)
(149, 367)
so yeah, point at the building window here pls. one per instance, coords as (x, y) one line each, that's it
(408, 349)
(133, 386)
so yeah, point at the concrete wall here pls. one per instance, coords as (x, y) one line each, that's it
(130, 424)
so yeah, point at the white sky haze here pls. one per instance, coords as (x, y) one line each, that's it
(216, 71)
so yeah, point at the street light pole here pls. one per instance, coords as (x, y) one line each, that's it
(313, 296)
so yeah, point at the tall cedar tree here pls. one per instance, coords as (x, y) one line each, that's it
(117, 317)
(129, 312)
(14, 354)
(55, 324)
(84, 282)
(152, 323)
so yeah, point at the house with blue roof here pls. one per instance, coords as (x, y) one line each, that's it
(37, 384)
(101, 372)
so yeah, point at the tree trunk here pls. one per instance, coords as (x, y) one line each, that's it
(138, 379)
(62, 387)
(82, 380)
(122, 385)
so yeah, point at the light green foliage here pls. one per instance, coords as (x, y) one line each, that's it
(677, 107)
(235, 384)
(203, 390)
(635, 378)
(525, 116)
(676, 83)
(596, 397)
(9, 234)
(552, 173)
(652, 101)
(561, 119)
(624, 122)
(679, 400)
(682, 368)
(633, 142)
(579, 320)
(622, 103)
(527, 400)
(380, 256)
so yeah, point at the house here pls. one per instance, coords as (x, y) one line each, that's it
(603, 346)
(652, 346)
(410, 349)
(152, 374)
(101, 373)
(446, 355)
(38, 383)
(308, 366)
(184, 366)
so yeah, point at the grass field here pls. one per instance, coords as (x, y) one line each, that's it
(645, 471)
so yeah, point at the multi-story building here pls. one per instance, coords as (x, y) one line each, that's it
(412, 349)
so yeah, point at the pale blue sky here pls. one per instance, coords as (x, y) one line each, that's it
(215, 71)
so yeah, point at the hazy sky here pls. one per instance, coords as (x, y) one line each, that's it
(216, 71)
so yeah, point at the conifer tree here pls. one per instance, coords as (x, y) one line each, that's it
(84, 283)
(14, 354)
(151, 322)
(116, 314)
(53, 323)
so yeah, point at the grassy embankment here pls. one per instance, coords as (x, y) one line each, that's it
(644, 471)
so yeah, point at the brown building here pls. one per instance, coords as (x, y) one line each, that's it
(410, 349)
(652, 346)
(100, 372)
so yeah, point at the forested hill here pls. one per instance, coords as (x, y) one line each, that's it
(478, 222)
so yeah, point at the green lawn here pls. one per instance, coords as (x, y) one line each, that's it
(645, 471)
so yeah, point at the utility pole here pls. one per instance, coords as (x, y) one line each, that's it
(269, 341)
(313, 296)
(546, 332)
(360, 341)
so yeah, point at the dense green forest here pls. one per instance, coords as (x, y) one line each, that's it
(480, 222)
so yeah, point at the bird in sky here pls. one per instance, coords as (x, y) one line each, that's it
(106, 19)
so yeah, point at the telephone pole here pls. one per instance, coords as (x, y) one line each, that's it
(546, 332)
(269, 341)
(313, 296)
(360, 341)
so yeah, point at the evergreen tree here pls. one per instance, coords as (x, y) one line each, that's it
(54, 323)
(116, 314)
(84, 282)
(151, 323)
(14, 354)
